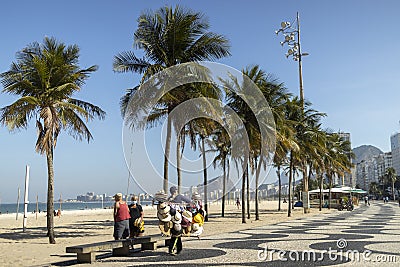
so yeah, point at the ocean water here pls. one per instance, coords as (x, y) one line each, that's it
(12, 207)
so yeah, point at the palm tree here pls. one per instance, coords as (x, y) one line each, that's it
(373, 188)
(221, 141)
(170, 37)
(277, 96)
(202, 128)
(391, 176)
(236, 102)
(45, 76)
(292, 117)
(338, 158)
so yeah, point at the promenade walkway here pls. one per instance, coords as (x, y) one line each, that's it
(367, 236)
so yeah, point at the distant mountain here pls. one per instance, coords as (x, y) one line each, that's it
(365, 152)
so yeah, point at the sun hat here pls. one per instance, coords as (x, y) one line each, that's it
(187, 214)
(164, 228)
(187, 230)
(118, 195)
(160, 196)
(177, 218)
(185, 222)
(198, 218)
(177, 227)
(195, 227)
(164, 217)
(163, 208)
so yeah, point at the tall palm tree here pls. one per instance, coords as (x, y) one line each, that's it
(170, 36)
(236, 102)
(203, 128)
(391, 176)
(277, 96)
(373, 188)
(222, 143)
(45, 76)
(338, 158)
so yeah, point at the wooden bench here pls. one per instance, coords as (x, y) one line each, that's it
(87, 253)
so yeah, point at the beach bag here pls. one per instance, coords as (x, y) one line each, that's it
(198, 218)
(165, 228)
(139, 223)
(185, 222)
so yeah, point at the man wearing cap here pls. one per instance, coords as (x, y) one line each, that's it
(174, 192)
(121, 218)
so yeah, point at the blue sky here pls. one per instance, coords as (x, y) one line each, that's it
(351, 74)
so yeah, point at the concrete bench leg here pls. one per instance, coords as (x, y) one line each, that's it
(124, 251)
(149, 246)
(86, 257)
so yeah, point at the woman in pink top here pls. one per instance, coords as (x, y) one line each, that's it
(121, 218)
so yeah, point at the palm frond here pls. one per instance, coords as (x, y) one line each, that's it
(127, 61)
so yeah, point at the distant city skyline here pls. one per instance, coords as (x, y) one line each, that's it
(350, 73)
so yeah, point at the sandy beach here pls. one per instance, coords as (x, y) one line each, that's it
(31, 248)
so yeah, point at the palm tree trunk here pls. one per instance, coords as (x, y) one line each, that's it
(166, 155)
(227, 177)
(394, 197)
(278, 172)
(203, 152)
(321, 189)
(178, 163)
(290, 183)
(330, 192)
(305, 191)
(258, 169)
(50, 197)
(223, 187)
(243, 196)
(293, 187)
(248, 192)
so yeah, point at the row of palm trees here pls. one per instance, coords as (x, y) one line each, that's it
(45, 77)
(170, 37)
(390, 178)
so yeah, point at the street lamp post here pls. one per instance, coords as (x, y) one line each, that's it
(292, 39)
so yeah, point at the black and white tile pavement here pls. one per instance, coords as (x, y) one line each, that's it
(367, 236)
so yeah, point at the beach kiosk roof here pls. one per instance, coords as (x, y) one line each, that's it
(343, 189)
(357, 191)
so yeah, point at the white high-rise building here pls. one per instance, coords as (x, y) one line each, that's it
(395, 146)
(362, 174)
(348, 179)
(383, 162)
(373, 169)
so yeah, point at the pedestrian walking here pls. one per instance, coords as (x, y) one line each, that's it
(238, 203)
(175, 244)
